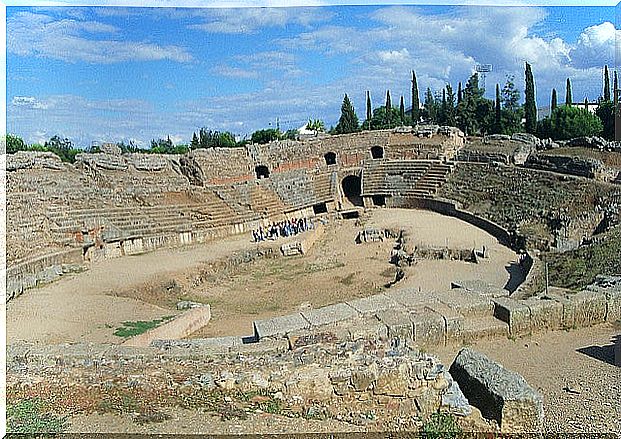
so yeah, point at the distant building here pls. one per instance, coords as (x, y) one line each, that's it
(545, 111)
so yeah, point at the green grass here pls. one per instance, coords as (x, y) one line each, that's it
(31, 416)
(578, 268)
(441, 426)
(131, 329)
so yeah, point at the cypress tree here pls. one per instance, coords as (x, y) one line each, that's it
(348, 122)
(606, 84)
(369, 113)
(459, 93)
(415, 100)
(194, 144)
(554, 101)
(402, 110)
(498, 121)
(615, 86)
(388, 102)
(530, 106)
(568, 100)
(586, 103)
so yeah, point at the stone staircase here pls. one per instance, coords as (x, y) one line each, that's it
(419, 178)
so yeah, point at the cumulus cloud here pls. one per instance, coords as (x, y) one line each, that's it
(71, 40)
(250, 20)
(234, 72)
(595, 46)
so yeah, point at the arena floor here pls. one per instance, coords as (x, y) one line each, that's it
(89, 306)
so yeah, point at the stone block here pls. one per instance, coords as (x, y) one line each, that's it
(330, 314)
(513, 312)
(545, 314)
(411, 298)
(453, 321)
(398, 323)
(499, 394)
(279, 326)
(373, 304)
(613, 305)
(363, 379)
(480, 287)
(368, 329)
(262, 347)
(467, 303)
(590, 308)
(429, 327)
(392, 383)
(453, 399)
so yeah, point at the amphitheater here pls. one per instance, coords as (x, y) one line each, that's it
(419, 242)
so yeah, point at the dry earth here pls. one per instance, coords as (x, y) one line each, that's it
(573, 370)
(89, 306)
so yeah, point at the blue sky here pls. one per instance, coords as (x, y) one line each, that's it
(131, 73)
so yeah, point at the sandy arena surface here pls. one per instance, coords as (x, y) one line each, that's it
(581, 360)
(89, 306)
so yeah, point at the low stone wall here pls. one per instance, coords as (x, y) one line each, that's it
(182, 326)
(577, 166)
(500, 394)
(341, 378)
(44, 269)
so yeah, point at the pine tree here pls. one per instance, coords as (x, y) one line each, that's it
(194, 144)
(348, 122)
(530, 106)
(498, 119)
(402, 110)
(369, 111)
(606, 84)
(554, 101)
(459, 93)
(415, 100)
(568, 98)
(450, 106)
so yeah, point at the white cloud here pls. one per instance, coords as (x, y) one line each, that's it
(30, 34)
(250, 20)
(28, 102)
(595, 46)
(234, 72)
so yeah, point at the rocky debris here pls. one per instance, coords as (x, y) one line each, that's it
(187, 304)
(110, 148)
(500, 394)
(33, 160)
(589, 142)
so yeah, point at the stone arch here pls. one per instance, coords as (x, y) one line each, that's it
(377, 152)
(330, 158)
(262, 171)
(352, 189)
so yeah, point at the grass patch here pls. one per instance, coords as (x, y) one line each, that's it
(31, 416)
(578, 268)
(348, 280)
(441, 425)
(131, 329)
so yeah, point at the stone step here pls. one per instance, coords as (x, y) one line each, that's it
(483, 328)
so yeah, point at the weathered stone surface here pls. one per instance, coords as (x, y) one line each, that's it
(370, 329)
(611, 287)
(330, 314)
(363, 379)
(429, 327)
(545, 314)
(398, 323)
(411, 298)
(278, 326)
(467, 303)
(480, 287)
(453, 399)
(500, 394)
(513, 312)
(453, 321)
(590, 308)
(392, 383)
(373, 304)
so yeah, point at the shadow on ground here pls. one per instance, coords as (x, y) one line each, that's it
(604, 353)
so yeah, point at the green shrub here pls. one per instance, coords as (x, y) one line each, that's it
(441, 426)
(30, 416)
(131, 329)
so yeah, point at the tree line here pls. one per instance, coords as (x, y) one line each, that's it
(467, 108)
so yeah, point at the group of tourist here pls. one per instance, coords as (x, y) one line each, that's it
(284, 228)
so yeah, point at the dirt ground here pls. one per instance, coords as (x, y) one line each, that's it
(554, 362)
(89, 306)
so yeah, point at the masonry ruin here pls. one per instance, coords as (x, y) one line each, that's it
(63, 219)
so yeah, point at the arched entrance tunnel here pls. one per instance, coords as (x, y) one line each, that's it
(352, 189)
